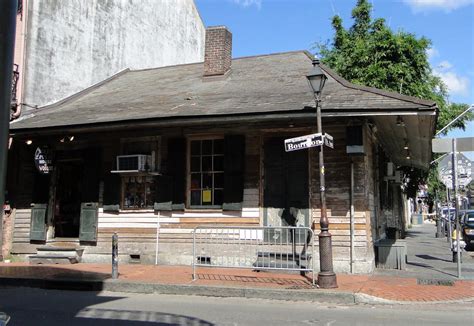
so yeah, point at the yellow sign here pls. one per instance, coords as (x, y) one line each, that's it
(206, 196)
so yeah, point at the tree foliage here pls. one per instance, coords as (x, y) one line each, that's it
(369, 53)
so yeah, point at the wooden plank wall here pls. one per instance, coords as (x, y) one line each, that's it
(177, 226)
(337, 178)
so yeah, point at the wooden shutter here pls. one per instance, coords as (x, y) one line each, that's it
(41, 188)
(177, 170)
(234, 161)
(111, 197)
(89, 219)
(90, 180)
(38, 222)
(163, 193)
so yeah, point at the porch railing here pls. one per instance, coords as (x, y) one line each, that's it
(15, 77)
(257, 248)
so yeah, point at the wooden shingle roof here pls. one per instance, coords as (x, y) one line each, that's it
(264, 84)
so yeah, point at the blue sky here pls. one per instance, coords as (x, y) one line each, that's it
(269, 26)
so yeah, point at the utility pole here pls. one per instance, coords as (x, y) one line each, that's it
(8, 11)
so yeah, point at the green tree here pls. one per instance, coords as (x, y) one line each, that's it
(369, 53)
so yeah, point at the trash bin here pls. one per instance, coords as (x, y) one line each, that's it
(391, 254)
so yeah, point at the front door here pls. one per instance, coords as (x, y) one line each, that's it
(286, 191)
(67, 207)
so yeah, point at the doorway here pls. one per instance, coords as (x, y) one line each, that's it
(286, 191)
(67, 206)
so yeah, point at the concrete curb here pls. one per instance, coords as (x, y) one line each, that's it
(325, 296)
(319, 295)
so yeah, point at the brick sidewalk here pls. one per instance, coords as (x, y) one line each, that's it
(385, 287)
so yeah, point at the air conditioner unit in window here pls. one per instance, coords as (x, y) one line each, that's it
(134, 162)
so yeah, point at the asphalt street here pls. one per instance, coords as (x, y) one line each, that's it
(52, 307)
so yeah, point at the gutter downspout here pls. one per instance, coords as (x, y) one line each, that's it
(352, 217)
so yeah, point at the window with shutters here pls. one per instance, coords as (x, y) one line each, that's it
(206, 173)
(138, 188)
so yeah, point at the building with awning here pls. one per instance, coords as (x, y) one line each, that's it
(203, 144)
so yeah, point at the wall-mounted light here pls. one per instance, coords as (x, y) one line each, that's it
(406, 144)
(62, 140)
(71, 138)
(29, 142)
(400, 121)
(408, 157)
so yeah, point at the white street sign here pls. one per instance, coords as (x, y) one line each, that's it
(328, 140)
(302, 142)
(313, 140)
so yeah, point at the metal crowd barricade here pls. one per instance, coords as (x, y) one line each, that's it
(257, 248)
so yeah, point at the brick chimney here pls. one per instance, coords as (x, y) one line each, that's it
(218, 52)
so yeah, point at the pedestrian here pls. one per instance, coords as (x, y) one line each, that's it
(462, 245)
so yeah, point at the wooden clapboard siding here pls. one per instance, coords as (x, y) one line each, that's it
(337, 177)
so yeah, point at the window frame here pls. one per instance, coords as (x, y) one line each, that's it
(188, 172)
(154, 168)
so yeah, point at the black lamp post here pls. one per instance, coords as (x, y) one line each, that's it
(326, 276)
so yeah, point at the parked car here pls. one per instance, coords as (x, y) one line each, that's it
(447, 220)
(467, 221)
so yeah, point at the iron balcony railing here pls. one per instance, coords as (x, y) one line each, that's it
(16, 76)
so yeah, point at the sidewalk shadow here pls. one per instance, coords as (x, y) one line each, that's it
(429, 257)
(50, 272)
(294, 283)
(429, 267)
(17, 296)
(105, 317)
(413, 234)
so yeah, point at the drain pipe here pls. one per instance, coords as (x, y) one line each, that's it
(157, 237)
(352, 217)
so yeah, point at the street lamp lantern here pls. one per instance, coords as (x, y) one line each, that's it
(326, 276)
(317, 79)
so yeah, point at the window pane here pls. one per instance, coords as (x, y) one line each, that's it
(218, 163)
(219, 146)
(139, 192)
(218, 180)
(207, 163)
(196, 164)
(207, 147)
(196, 197)
(207, 180)
(217, 197)
(195, 147)
(196, 181)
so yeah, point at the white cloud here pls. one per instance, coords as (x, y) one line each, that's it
(446, 5)
(432, 53)
(457, 85)
(444, 65)
(248, 3)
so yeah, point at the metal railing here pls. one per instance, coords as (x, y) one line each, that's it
(257, 248)
(15, 77)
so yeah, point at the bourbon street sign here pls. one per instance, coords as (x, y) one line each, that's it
(313, 140)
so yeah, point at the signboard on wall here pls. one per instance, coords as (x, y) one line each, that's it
(43, 161)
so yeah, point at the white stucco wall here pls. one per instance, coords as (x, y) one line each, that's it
(74, 44)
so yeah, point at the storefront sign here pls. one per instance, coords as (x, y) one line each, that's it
(43, 160)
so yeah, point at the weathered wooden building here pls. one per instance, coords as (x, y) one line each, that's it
(201, 144)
